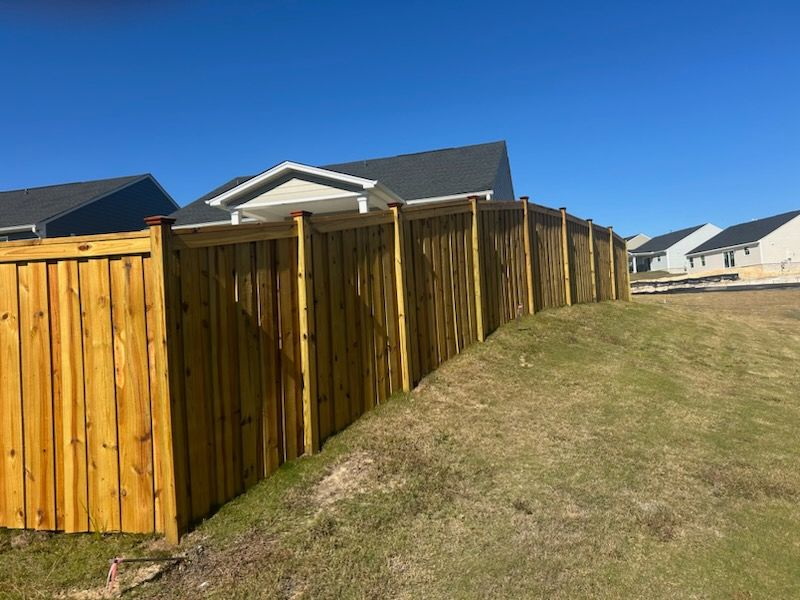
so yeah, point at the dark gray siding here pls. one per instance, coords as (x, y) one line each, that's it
(25, 235)
(124, 210)
(503, 186)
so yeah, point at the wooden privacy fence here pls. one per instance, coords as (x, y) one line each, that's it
(147, 378)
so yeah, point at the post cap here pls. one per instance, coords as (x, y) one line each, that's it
(563, 209)
(157, 220)
(394, 204)
(300, 213)
(473, 197)
(524, 198)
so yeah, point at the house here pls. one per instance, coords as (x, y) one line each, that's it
(633, 242)
(772, 242)
(433, 176)
(86, 207)
(668, 252)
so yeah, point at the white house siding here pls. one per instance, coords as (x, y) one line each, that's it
(296, 189)
(637, 241)
(716, 259)
(675, 260)
(783, 244)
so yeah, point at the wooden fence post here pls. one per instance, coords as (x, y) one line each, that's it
(565, 255)
(402, 298)
(611, 263)
(591, 260)
(476, 266)
(163, 436)
(308, 338)
(528, 255)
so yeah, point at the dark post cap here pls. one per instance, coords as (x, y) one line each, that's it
(157, 220)
(301, 213)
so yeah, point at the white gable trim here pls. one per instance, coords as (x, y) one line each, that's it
(292, 167)
(487, 194)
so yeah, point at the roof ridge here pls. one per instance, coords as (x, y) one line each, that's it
(416, 153)
(52, 185)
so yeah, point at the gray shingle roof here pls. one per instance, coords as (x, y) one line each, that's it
(200, 212)
(34, 205)
(445, 172)
(745, 233)
(662, 242)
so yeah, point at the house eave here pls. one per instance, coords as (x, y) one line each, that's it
(19, 228)
(724, 249)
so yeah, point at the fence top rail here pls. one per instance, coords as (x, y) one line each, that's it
(77, 247)
(545, 210)
(222, 235)
(500, 205)
(438, 209)
(339, 222)
(98, 237)
(577, 220)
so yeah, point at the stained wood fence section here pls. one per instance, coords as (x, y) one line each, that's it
(148, 378)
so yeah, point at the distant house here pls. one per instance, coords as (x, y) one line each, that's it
(435, 176)
(86, 207)
(773, 241)
(668, 252)
(634, 241)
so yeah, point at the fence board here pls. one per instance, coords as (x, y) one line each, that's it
(12, 496)
(71, 436)
(101, 409)
(132, 393)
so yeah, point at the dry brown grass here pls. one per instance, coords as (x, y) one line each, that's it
(641, 450)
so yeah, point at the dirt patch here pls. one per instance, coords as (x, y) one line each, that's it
(129, 578)
(354, 476)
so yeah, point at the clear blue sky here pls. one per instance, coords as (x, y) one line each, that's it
(648, 116)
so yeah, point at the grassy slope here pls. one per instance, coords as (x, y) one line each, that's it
(636, 450)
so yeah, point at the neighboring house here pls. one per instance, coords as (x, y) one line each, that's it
(86, 207)
(435, 176)
(668, 252)
(771, 241)
(633, 242)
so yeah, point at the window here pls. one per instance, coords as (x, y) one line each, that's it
(3, 238)
(747, 251)
(730, 261)
(703, 261)
(691, 263)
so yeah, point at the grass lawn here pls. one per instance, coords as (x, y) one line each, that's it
(643, 450)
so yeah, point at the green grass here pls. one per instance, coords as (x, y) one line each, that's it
(644, 450)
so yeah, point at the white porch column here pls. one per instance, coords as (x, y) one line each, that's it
(362, 205)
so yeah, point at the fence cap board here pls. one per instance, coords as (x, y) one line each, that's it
(544, 210)
(577, 220)
(439, 209)
(76, 248)
(222, 235)
(338, 222)
(500, 205)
